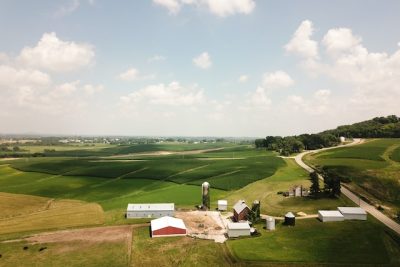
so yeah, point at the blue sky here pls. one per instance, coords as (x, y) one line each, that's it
(196, 67)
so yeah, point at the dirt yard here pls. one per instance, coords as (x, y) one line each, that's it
(203, 224)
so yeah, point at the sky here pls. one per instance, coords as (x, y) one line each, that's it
(196, 67)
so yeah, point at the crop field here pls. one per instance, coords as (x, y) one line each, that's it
(396, 154)
(311, 241)
(371, 167)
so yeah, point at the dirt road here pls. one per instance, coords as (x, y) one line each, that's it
(353, 197)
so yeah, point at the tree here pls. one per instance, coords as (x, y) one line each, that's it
(314, 183)
(331, 183)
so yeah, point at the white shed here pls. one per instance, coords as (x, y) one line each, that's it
(153, 210)
(222, 205)
(353, 213)
(330, 216)
(238, 229)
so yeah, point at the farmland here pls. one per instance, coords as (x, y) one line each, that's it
(62, 192)
(371, 168)
(329, 243)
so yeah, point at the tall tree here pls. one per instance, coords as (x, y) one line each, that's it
(314, 183)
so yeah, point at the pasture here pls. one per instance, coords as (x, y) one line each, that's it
(313, 242)
(371, 168)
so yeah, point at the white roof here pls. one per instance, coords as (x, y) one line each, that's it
(330, 213)
(151, 207)
(239, 226)
(290, 215)
(351, 210)
(239, 206)
(166, 221)
(222, 202)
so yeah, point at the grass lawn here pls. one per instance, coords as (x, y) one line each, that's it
(371, 167)
(311, 241)
(286, 177)
(175, 251)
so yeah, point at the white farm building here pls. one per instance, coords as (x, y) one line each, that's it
(330, 216)
(238, 229)
(154, 210)
(353, 213)
(222, 205)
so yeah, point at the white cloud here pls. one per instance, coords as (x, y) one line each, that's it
(277, 79)
(243, 78)
(221, 8)
(133, 74)
(203, 60)
(70, 7)
(173, 6)
(225, 8)
(155, 58)
(172, 94)
(11, 77)
(258, 99)
(318, 104)
(340, 40)
(93, 89)
(301, 43)
(53, 54)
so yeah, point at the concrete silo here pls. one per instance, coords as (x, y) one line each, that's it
(270, 223)
(205, 193)
(290, 219)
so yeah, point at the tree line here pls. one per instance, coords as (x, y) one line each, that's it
(295, 144)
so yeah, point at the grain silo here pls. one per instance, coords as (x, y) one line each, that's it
(290, 219)
(270, 223)
(205, 193)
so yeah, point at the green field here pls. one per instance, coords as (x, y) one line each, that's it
(312, 241)
(371, 167)
(52, 193)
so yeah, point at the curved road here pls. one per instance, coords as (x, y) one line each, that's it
(369, 208)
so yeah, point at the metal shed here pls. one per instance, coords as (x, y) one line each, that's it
(153, 210)
(330, 216)
(222, 205)
(238, 229)
(353, 213)
(167, 226)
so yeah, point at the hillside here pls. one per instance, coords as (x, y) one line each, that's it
(379, 127)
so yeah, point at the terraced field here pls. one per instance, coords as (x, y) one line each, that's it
(373, 169)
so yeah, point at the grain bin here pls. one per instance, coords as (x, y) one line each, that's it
(270, 223)
(290, 219)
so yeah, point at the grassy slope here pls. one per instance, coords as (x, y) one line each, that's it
(64, 254)
(175, 251)
(45, 214)
(370, 168)
(273, 204)
(315, 242)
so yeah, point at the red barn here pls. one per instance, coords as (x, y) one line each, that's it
(240, 211)
(167, 226)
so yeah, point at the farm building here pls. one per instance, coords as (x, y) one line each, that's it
(240, 211)
(238, 229)
(353, 213)
(342, 139)
(270, 223)
(330, 216)
(222, 205)
(167, 226)
(154, 210)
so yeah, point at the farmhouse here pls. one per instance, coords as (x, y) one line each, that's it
(353, 213)
(238, 229)
(153, 210)
(240, 211)
(222, 205)
(167, 226)
(330, 216)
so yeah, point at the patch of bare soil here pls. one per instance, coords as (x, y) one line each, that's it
(95, 234)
